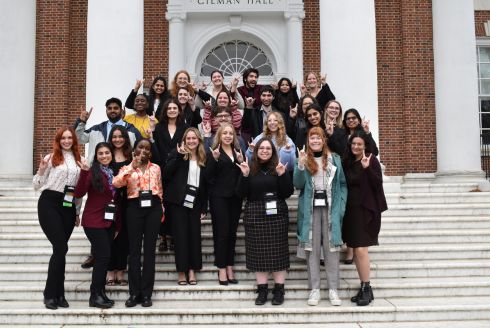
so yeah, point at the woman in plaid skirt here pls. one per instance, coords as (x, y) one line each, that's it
(266, 186)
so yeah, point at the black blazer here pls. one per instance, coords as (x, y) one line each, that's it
(175, 176)
(337, 142)
(222, 174)
(164, 144)
(324, 96)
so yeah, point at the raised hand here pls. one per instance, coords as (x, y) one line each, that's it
(274, 85)
(235, 79)
(302, 156)
(294, 84)
(244, 167)
(136, 161)
(293, 111)
(84, 115)
(206, 128)
(191, 103)
(203, 86)
(215, 152)
(43, 164)
(207, 104)
(83, 164)
(249, 102)
(182, 149)
(302, 89)
(251, 146)
(365, 125)
(239, 155)
(365, 160)
(288, 147)
(281, 168)
(138, 85)
(234, 102)
(323, 78)
(153, 122)
(330, 128)
(149, 132)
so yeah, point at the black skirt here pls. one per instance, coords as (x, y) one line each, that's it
(266, 237)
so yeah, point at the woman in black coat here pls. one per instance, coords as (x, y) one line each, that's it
(186, 202)
(158, 95)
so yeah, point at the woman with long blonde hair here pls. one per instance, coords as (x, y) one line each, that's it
(275, 130)
(187, 202)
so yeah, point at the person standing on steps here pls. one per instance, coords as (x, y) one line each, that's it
(157, 95)
(187, 202)
(141, 120)
(101, 219)
(144, 215)
(365, 203)
(56, 178)
(266, 184)
(323, 193)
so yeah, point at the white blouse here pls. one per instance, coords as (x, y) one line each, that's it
(193, 175)
(56, 178)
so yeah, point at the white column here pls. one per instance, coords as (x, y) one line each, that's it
(456, 91)
(17, 64)
(295, 39)
(348, 55)
(176, 39)
(115, 47)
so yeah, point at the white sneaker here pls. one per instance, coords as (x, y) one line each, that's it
(334, 297)
(314, 297)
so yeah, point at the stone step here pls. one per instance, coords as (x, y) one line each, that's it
(379, 269)
(295, 289)
(385, 252)
(438, 187)
(32, 236)
(438, 198)
(216, 312)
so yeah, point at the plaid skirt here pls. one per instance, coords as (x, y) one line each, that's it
(266, 237)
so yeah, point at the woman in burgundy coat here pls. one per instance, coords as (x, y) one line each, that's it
(365, 202)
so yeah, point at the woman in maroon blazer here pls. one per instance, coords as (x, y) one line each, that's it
(365, 202)
(99, 220)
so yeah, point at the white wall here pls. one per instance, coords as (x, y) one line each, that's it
(348, 55)
(114, 52)
(17, 67)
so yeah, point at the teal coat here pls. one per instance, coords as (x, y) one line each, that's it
(303, 180)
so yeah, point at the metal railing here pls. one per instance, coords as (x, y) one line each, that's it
(485, 155)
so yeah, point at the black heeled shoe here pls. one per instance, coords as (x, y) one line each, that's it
(349, 261)
(132, 301)
(62, 302)
(232, 281)
(222, 282)
(51, 303)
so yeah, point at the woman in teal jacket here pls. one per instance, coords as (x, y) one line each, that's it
(321, 206)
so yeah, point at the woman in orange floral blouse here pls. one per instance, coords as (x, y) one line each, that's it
(144, 214)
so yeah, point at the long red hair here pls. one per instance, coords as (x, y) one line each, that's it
(58, 158)
(311, 164)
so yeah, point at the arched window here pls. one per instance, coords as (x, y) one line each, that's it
(235, 57)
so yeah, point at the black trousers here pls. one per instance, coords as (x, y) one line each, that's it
(186, 227)
(101, 241)
(225, 214)
(57, 223)
(143, 226)
(120, 246)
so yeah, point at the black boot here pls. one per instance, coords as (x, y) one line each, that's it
(278, 294)
(107, 299)
(62, 302)
(365, 295)
(51, 303)
(97, 300)
(262, 290)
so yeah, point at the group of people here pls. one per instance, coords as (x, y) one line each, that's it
(189, 150)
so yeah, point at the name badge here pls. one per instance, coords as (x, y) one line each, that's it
(69, 196)
(109, 212)
(190, 196)
(145, 198)
(320, 198)
(270, 204)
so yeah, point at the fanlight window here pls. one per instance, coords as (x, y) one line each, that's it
(234, 57)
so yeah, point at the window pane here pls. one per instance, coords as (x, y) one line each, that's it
(485, 105)
(484, 71)
(485, 121)
(484, 87)
(485, 54)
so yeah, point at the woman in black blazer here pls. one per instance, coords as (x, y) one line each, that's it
(225, 206)
(186, 202)
(168, 132)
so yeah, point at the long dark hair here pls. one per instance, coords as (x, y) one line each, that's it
(317, 108)
(163, 115)
(349, 157)
(344, 121)
(300, 104)
(271, 163)
(97, 182)
(126, 148)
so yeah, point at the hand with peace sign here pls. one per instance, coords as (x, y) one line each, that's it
(323, 78)
(293, 111)
(244, 167)
(215, 152)
(84, 115)
(302, 156)
(83, 164)
(281, 168)
(365, 160)
(43, 164)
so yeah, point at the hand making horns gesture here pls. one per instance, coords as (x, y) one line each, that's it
(302, 156)
(281, 168)
(84, 115)
(215, 152)
(244, 167)
(365, 160)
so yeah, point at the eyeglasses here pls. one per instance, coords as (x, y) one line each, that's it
(333, 108)
(223, 115)
(351, 118)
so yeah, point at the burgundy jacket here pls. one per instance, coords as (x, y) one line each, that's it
(93, 214)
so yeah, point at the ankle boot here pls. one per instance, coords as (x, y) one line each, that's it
(365, 294)
(262, 290)
(96, 300)
(104, 295)
(278, 294)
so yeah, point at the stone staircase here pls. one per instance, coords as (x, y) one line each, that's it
(432, 269)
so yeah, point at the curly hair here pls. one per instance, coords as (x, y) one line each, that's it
(280, 134)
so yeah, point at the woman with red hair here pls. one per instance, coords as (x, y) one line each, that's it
(56, 178)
